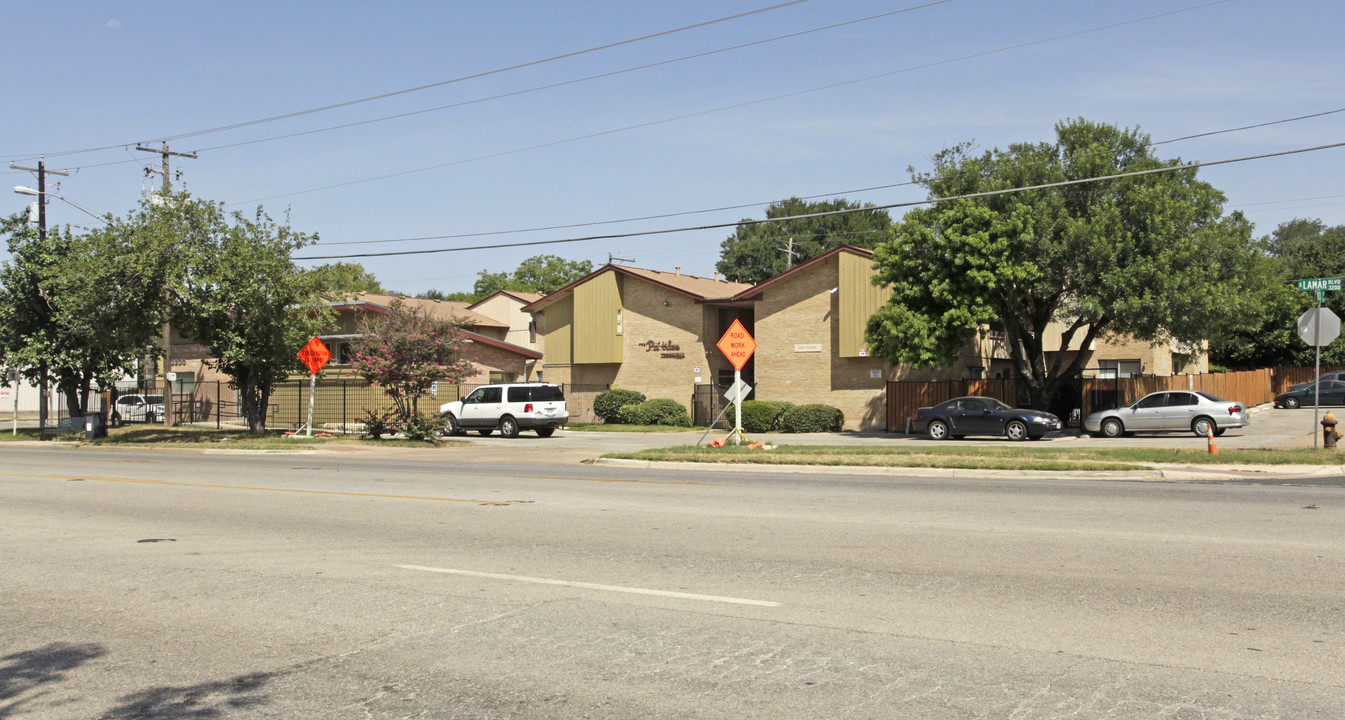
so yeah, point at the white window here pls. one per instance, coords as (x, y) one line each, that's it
(1118, 368)
(618, 322)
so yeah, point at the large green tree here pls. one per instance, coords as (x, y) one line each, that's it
(405, 352)
(79, 309)
(1148, 256)
(758, 251)
(538, 274)
(1296, 249)
(347, 278)
(236, 290)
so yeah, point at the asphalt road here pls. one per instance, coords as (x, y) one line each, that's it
(190, 585)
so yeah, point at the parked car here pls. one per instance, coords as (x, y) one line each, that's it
(1332, 392)
(1173, 410)
(509, 408)
(1338, 376)
(974, 415)
(136, 408)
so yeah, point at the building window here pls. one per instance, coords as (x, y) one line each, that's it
(975, 372)
(532, 331)
(501, 377)
(1118, 368)
(618, 322)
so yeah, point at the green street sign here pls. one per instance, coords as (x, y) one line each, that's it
(1319, 284)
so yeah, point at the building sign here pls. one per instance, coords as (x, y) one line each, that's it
(810, 347)
(666, 349)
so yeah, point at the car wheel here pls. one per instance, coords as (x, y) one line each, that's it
(1016, 430)
(1220, 431)
(509, 426)
(486, 431)
(938, 430)
(1202, 426)
(545, 432)
(1112, 428)
(453, 427)
(149, 418)
(1291, 403)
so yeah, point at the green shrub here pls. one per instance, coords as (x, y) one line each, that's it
(425, 427)
(812, 418)
(659, 411)
(608, 403)
(758, 416)
(377, 423)
(782, 407)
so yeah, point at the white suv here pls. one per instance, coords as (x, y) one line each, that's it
(508, 407)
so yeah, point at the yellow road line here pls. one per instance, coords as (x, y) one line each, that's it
(264, 489)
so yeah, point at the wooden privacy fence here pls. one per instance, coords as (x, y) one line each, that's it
(1252, 387)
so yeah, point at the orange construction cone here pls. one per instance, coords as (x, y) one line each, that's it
(1214, 449)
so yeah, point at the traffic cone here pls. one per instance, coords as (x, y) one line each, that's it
(1214, 449)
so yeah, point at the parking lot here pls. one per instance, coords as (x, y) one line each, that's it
(1270, 428)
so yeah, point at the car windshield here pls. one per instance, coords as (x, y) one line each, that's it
(998, 405)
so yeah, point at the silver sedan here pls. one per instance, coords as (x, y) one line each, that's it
(1171, 410)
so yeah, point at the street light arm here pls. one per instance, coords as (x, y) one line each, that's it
(22, 190)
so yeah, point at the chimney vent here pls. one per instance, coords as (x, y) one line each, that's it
(678, 268)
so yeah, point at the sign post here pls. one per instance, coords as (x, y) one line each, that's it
(1318, 327)
(314, 355)
(738, 345)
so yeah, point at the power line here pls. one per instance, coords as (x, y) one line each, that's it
(735, 106)
(990, 193)
(841, 193)
(441, 83)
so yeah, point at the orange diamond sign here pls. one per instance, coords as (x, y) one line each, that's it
(737, 345)
(315, 355)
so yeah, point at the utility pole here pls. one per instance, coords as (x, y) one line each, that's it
(167, 328)
(789, 253)
(42, 173)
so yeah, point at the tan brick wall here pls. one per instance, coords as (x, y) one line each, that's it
(801, 311)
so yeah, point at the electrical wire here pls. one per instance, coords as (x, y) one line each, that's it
(735, 106)
(842, 193)
(441, 83)
(930, 201)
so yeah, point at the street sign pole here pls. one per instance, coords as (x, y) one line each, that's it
(1317, 369)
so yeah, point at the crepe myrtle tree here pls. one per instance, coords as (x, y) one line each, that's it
(1148, 256)
(405, 352)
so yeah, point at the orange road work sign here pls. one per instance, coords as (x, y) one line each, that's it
(737, 345)
(315, 355)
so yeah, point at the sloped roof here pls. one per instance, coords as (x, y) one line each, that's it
(441, 309)
(753, 290)
(700, 288)
(527, 298)
(508, 347)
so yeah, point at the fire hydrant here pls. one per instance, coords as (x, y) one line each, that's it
(1329, 434)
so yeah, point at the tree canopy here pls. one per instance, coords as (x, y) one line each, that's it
(758, 251)
(1149, 256)
(1295, 250)
(237, 291)
(346, 278)
(79, 310)
(537, 274)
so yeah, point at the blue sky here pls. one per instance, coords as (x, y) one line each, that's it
(823, 113)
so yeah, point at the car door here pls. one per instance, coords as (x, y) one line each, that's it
(1147, 414)
(1332, 392)
(481, 408)
(1180, 410)
(981, 418)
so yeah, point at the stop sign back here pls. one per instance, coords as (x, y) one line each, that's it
(1319, 326)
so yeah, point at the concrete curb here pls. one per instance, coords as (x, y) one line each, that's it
(1156, 473)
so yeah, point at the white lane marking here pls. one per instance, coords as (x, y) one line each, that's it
(594, 586)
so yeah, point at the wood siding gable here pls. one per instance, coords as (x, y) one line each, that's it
(859, 299)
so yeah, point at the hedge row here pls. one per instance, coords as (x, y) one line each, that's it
(629, 407)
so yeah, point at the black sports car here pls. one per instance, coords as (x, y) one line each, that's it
(983, 416)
